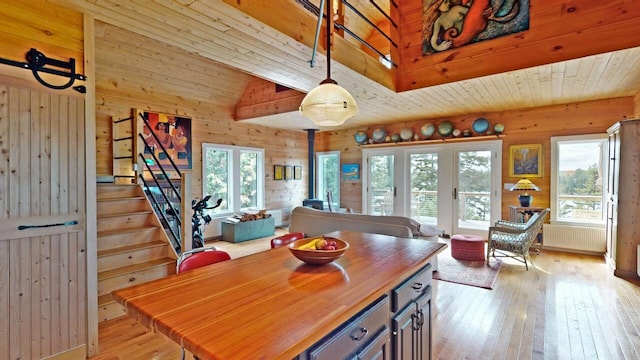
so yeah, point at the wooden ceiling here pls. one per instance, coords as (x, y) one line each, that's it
(219, 31)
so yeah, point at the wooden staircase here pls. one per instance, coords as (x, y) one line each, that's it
(132, 245)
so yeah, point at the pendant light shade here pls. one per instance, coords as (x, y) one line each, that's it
(328, 104)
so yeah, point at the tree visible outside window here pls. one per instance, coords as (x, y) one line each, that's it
(424, 187)
(578, 178)
(216, 168)
(249, 192)
(474, 185)
(235, 175)
(328, 177)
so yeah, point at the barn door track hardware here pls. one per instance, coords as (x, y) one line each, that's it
(37, 62)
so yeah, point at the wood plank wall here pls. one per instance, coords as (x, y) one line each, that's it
(137, 72)
(525, 126)
(58, 35)
(559, 30)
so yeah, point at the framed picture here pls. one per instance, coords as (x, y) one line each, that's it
(297, 173)
(525, 160)
(172, 140)
(277, 172)
(288, 172)
(350, 172)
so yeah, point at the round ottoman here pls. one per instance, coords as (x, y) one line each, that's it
(467, 247)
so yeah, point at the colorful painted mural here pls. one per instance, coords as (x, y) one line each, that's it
(449, 24)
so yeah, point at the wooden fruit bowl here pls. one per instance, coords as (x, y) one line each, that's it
(318, 257)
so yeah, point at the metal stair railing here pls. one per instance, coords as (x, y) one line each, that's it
(174, 193)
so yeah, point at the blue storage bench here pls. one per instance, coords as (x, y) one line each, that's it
(247, 230)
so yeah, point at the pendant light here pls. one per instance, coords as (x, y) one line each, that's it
(328, 104)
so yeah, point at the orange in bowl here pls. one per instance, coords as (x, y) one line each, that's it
(317, 257)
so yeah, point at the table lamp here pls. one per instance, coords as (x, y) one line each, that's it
(525, 185)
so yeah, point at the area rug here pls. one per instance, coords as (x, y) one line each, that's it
(472, 273)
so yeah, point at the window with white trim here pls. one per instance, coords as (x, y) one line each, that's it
(328, 177)
(578, 173)
(234, 174)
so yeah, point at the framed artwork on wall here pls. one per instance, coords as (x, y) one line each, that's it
(288, 172)
(297, 173)
(172, 140)
(350, 172)
(277, 172)
(525, 160)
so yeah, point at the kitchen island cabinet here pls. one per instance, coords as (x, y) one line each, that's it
(270, 305)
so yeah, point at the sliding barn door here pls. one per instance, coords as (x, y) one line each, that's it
(42, 216)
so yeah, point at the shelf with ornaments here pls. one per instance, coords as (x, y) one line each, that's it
(481, 130)
(433, 141)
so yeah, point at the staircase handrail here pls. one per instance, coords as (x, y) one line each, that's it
(175, 239)
(173, 164)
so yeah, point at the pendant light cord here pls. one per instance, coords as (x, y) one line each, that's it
(329, 80)
(329, 23)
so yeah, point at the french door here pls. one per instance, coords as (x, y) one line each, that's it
(453, 186)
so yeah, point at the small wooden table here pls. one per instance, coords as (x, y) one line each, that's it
(270, 305)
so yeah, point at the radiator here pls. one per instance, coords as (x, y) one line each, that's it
(574, 238)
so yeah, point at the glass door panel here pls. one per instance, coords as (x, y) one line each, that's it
(472, 193)
(423, 194)
(381, 184)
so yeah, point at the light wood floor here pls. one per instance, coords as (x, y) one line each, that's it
(567, 306)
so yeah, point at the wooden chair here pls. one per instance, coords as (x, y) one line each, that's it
(515, 238)
(199, 257)
(286, 239)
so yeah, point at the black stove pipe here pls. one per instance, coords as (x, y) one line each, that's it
(311, 133)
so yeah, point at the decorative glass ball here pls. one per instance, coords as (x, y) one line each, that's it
(427, 130)
(361, 137)
(406, 134)
(379, 134)
(498, 128)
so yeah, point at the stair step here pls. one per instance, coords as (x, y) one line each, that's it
(133, 268)
(105, 191)
(127, 276)
(109, 309)
(116, 198)
(118, 206)
(105, 299)
(106, 233)
(109, 222)
(132, 213)
(126, 255)
(128, 248)
(115, 238)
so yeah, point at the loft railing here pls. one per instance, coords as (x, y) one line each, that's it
(316, 11)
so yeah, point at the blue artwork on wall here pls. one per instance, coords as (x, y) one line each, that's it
(350, 172)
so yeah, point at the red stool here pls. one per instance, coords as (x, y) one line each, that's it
(467, 247)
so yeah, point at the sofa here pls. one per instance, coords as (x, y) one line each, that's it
(313, 222)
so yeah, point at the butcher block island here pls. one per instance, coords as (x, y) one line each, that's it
(374, 301)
